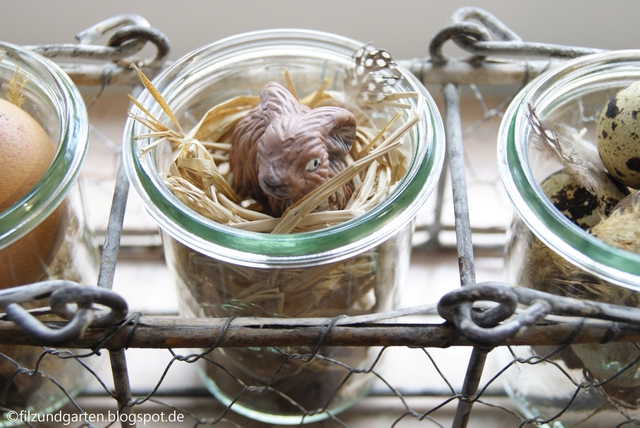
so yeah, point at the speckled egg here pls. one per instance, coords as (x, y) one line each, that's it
(578, 204)
(605, 362)
(618, 136)
(621, 229)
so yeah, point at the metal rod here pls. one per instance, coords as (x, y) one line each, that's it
(185, 391)
(436, 227)
(455, 150)
(105, 279)
(470, 386)
(459, 72)
(122, 386)
(161, 332)
(114, 230)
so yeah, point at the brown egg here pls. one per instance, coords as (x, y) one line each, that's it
(26, 152)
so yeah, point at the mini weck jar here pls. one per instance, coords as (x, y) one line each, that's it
(351, 268)
(44, 235)
(575, 384)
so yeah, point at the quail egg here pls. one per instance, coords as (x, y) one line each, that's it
(621, 229)
(618, 136)
(577, 203)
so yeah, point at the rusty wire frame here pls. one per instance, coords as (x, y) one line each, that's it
(505, 61)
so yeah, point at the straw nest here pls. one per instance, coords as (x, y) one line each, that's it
(199, 177)
(199, 173)
(545, 270)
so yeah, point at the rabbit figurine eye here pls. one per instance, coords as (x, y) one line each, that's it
(313, 164)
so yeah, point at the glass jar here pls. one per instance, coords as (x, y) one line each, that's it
(44, 235)
(548, 252)
(347, 269)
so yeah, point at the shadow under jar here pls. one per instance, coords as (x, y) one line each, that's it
(43, 235)
(351, 268)
(575, 384)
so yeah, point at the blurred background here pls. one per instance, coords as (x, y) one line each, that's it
(403, 27)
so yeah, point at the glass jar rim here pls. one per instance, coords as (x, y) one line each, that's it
(587, 252)
(300, 249)
(50, 83)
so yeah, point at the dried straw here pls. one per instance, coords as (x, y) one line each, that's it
(199, 175)
(199, 178)
(14, 90)
(545, 270)
(359, 285)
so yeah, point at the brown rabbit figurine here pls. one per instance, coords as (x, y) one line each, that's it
(283, 150)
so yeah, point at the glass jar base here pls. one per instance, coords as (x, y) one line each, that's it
(577, 403)
(273, 418)
(526, 408)
(15, 418)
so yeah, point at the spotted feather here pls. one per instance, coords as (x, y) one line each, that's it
(370, 76)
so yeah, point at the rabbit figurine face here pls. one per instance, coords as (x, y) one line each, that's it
(282, 150)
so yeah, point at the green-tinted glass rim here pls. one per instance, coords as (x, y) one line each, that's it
(330, 244)
(50, 84)
(533, 207)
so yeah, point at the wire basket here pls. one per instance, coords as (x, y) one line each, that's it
(470, 325)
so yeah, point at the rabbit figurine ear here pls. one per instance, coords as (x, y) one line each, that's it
(277, 101)
(338, 126)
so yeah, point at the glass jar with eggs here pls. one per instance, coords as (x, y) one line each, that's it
(568, 155)
(237, 253)
(44, 134)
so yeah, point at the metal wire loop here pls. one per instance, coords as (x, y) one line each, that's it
(135, 35)
(487, 19)
(486, 329)
(568, 306)
(45, 335)
(62, 300)
(132, 36)
(505, 297)
(475, 38)
(62, 294)
(98, 30)
(31, 292)
(493, 326)
(463, 34)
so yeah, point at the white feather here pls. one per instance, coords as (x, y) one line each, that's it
(567, 145)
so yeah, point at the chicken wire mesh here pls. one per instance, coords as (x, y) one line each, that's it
(424, 371)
